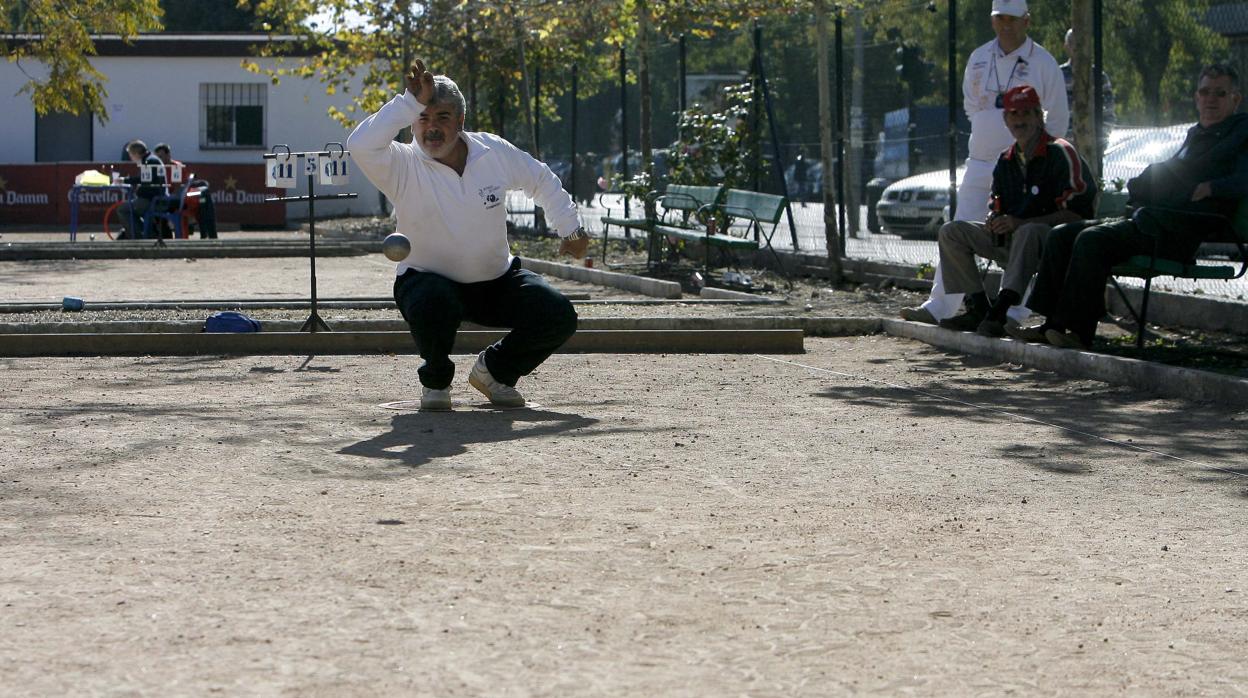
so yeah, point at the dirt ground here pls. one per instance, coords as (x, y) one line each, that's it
(874, 516)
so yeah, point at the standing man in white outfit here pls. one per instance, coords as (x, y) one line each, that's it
(1008, 61)
(448, 191)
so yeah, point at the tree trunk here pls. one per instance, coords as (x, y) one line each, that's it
(525, 94)
(832, 238)
(1083, 117)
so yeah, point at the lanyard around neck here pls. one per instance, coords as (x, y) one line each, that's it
(997, 76)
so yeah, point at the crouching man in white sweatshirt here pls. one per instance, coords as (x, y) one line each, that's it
(448, 189)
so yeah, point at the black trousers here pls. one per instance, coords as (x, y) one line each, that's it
(540, 319)
(1070, 284)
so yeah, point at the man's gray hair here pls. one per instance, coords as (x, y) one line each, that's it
(445, 91)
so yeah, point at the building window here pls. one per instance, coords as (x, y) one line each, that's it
(231, 115)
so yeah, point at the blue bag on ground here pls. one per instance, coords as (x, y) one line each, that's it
(230, 321)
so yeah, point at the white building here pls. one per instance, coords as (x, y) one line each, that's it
(190, 91)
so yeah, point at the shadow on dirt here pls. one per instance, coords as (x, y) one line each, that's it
(1063, 423)
(416, 438)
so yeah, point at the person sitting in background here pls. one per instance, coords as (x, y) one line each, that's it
(1209, 175)
(1008, 61)
(1037, 183)
(149, 183)
(198, 201)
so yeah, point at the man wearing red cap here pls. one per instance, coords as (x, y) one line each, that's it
(1037, 183)
(1008, 61)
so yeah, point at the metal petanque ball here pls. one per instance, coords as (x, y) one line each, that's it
(396, 247)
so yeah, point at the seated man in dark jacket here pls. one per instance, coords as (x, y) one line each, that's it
(1038, 182)
(150, 183)
(1209, 174)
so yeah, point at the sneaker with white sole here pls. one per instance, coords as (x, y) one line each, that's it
(435, 400)
(499, 393)
(919, 314)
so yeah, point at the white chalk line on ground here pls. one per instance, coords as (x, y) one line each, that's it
(1007, 413)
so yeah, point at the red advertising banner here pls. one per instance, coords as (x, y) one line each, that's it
(40, 194)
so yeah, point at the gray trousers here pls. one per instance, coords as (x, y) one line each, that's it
(962, 241)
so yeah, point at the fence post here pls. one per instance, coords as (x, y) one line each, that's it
(775, 140)
(573, 173)
(953, 110)
(839, 49)
(624, 125)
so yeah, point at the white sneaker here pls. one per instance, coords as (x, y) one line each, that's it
(498, 393)
(435, 400)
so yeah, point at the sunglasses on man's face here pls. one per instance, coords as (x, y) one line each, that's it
(1210, 92)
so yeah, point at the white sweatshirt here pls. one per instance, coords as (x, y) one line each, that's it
(989, 72)
(457, 225)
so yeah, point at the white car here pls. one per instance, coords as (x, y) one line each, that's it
(917, 206)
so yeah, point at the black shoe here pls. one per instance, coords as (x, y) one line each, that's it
(991, 327)
(1066, 340)
(966, 322)
(1034, 335)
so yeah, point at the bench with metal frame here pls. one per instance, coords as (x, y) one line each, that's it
(675, 207)
(1212, 227)
(762, 214)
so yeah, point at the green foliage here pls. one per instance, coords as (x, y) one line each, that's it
(636, 186)
(1156, 86)
(478, 43)
(714, 146)
(1151, 86)
(55, 59)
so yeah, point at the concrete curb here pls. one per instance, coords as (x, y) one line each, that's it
(1160, 379)
(812, 326)
(1178, 310)
(330, 304)
(178, 249)
(656, 288)
(729, 294)
(1195, 312)
(590, 341)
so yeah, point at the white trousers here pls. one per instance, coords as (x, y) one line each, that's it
(973, 195)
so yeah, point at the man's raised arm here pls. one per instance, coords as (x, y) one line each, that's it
(373, 147)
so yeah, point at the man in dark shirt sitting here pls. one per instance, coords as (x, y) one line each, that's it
(1209, 174)
(1037, 183)
(150, 183)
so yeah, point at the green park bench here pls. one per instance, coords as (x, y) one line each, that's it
(761, 213)
(674, 208)
(1151, 266)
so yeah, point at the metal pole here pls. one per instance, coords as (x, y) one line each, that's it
(953, 109)
(684, 83)
(756, 117)
(314, 322)
(1098, 82)
(775, 145)
(624, 123)
(839, 48)
(537, 112)
(572, 125)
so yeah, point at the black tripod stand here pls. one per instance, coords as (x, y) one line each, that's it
(281, 172)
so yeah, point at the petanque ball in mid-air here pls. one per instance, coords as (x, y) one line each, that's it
(396, 247)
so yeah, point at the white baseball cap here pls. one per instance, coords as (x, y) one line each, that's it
(1014, 8)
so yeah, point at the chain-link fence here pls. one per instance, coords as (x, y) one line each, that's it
(894, 112)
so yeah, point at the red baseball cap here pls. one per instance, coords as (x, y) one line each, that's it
(1021, 97)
